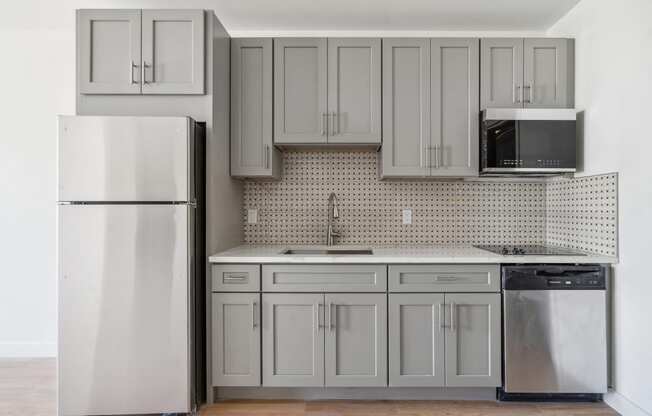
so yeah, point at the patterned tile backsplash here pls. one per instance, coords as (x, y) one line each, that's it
(294, 209)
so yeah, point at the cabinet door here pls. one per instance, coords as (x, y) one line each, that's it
(406, 107)
(293, 340)
(354, 90)
(454, 107)
(416, 340)
(473, 340)
(356, 340)
(173, 52)
(252, 151)
(236, 339)
(108, 54)
(501, 72)
(300, 91)
(547, 72)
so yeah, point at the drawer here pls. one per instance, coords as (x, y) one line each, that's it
(235, 277)
(444, 278)
(325, 278)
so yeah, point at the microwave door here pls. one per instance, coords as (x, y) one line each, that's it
(501, 144)
(546, 144)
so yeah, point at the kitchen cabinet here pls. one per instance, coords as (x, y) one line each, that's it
(236, 339)
(444, 278)
(326, 91)
(300, 91)
(140, 51)
(406, 107)
(454, 95)
(473, 340)
(293, 339)
(430, 108)
(173, 51)
(354, 90)
(108, 49)
(356, 340)
(252, 149)
(450, 339)
(530, 73)
(416, 340)
(324, 278)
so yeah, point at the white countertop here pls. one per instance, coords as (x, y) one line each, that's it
(391, 255)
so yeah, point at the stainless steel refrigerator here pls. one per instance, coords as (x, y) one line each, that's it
(131, 261)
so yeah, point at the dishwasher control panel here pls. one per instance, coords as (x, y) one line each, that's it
(552, 277)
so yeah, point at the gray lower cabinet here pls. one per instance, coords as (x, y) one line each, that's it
(354, 91)
(108, 51)
(300, 109)
(406, 108)
(473, 340)
(356, 340)
(416, 340)
(252, 149)
(293, 339)
(530, 73)
(236, 339)
(135, 51)
(454, 107)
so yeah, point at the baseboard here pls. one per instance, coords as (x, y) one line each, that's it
(355, 393)
(623, 405)
(27, 349)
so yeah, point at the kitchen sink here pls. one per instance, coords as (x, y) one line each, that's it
(327, 252)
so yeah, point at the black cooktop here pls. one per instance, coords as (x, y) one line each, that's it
(529, 250)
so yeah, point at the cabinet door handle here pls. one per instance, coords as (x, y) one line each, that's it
(266, 156)
(144, 73)
(319, 315)
(131, 72)
(253, 315)
(452, 316)
(517, 95)
(333, 132)
(529, 89)
(437, 157)
(441, 325)
(324, 123)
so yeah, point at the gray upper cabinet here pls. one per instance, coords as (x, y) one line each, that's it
(406, 107)
(173, 51)
(236, 339)
(473, 340)
(300, 109)
(252, 148)
(356, 340)
(110, 43)
(548, 72)
(108, 51)
(501, 72)
(293, 339)
(416, 340)
(531, 72)
(354, 90)
(454, 95)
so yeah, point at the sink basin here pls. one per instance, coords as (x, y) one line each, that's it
(327, 252)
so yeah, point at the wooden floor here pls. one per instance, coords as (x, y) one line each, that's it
(28, 388)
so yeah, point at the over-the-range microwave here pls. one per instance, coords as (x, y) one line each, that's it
(528, 141)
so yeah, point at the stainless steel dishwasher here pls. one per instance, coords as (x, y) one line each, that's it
(555, 331)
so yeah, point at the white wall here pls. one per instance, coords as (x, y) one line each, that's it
(37, 40)
(614, 88)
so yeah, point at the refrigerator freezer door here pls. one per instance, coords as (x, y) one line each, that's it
(125, 158)
(123, 309)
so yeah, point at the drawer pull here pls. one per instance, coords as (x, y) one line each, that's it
(235, 278)
(447, 278)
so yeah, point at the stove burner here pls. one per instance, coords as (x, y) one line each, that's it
(529, 250)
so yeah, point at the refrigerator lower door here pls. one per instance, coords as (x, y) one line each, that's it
(136, 159)
(123, 309)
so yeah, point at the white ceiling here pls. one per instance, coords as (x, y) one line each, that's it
(241, 17)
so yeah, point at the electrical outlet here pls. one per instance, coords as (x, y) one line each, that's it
(252, 216)
(407, 216)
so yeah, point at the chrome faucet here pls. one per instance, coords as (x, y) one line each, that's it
(332, 214)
